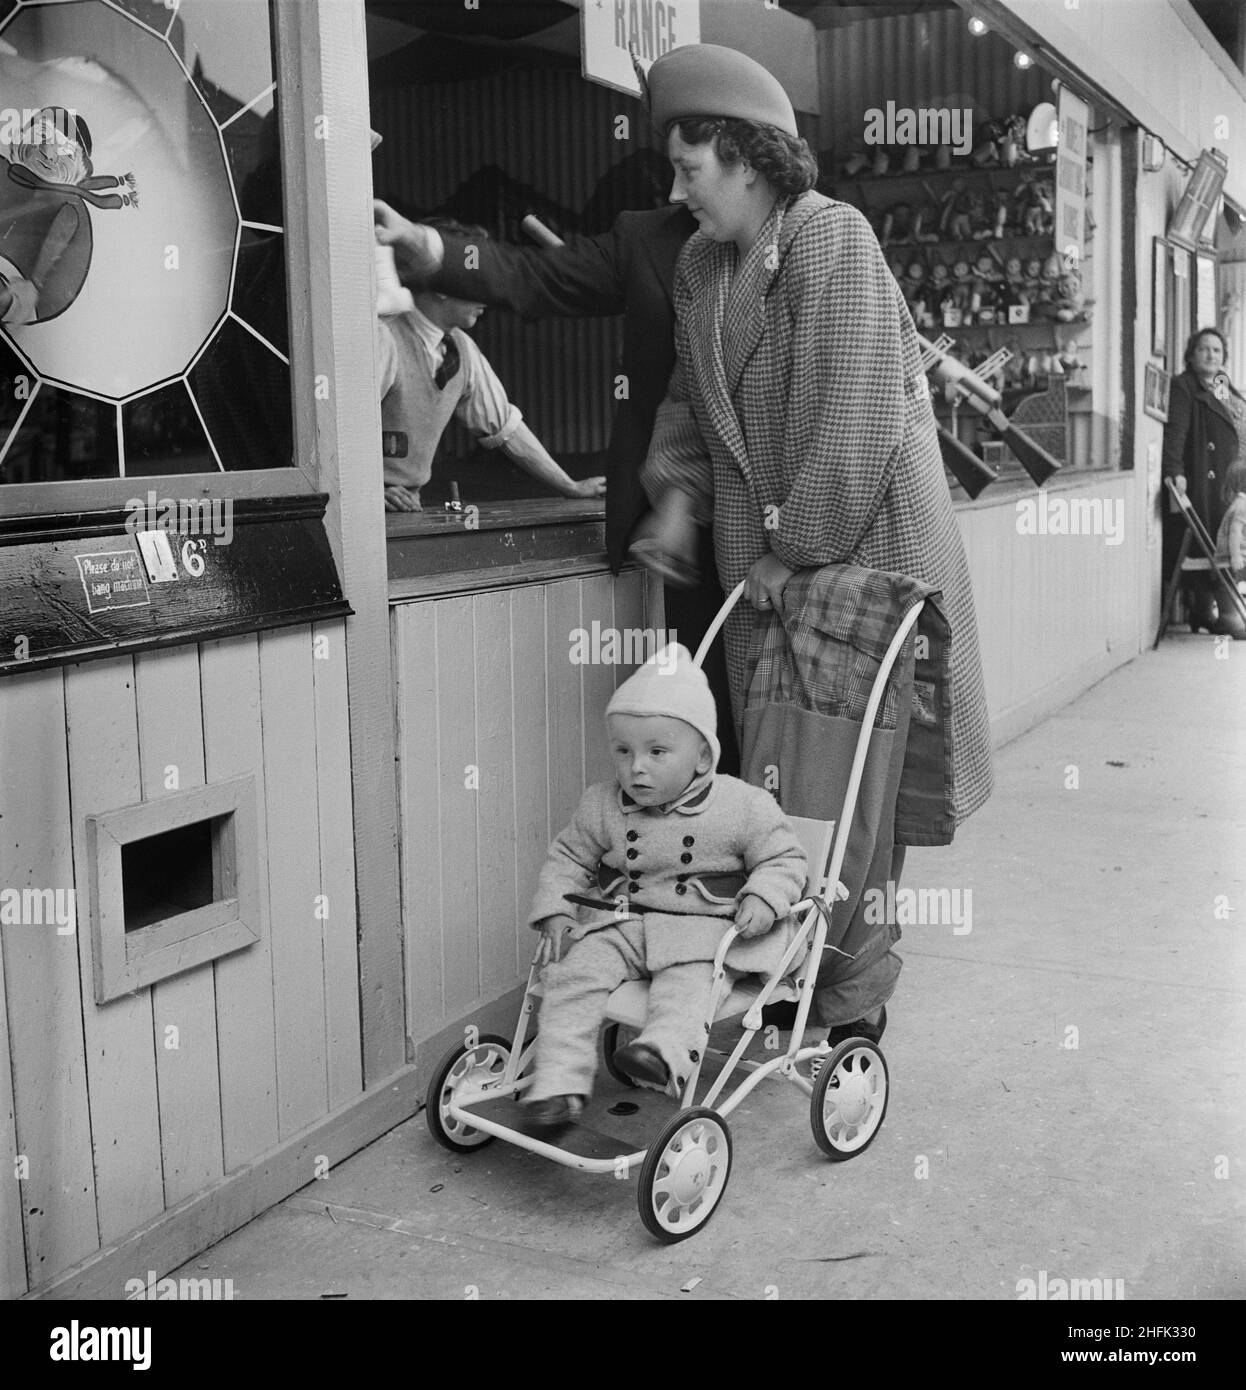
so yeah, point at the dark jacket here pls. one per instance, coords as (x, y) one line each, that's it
(1200, 441)
(629, 270)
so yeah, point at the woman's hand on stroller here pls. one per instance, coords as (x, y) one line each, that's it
(553, 929)
(753, 917)
(765, 582)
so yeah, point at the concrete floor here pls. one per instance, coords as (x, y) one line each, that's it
(1114, 1151)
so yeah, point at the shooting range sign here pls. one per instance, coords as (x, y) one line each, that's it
(611, 29)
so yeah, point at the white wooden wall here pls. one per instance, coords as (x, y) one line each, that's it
(1056, 613)
(116, 1125)
(485, 682)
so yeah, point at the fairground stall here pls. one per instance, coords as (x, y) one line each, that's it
(277, 768)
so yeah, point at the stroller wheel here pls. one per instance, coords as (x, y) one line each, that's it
(463, 1067)
(849, 1099)
(613, 1038)
(684, 1174)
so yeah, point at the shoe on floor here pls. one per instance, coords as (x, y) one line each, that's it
(545, 1119)
(642, 1063)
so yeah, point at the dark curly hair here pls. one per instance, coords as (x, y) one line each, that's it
(1194, 340)
(785, 161)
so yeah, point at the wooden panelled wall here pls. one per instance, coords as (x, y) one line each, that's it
(118, 1125)
(499, 734)
(1056, 613)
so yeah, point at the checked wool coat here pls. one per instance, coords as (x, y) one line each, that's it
(798, 414)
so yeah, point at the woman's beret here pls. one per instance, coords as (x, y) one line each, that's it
(705, 79)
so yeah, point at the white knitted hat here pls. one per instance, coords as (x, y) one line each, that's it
(669, 683)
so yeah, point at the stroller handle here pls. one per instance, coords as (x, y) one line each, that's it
(721, 617)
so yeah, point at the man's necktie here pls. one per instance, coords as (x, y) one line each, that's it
(449, 363)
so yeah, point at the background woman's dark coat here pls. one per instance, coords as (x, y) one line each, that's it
(1200, 441)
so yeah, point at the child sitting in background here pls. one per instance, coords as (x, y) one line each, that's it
(1231, 538)
(680, 853)
(1231, 543)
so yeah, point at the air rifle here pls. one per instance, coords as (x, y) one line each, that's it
(986, 400)
(971, 472)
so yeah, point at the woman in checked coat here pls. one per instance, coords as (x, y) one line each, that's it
(798, 413)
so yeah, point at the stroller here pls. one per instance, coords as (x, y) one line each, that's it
(684, 1169)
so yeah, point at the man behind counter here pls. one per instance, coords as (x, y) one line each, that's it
(629, 270)
(430, 370)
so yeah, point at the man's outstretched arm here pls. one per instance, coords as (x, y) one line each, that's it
(583, 278)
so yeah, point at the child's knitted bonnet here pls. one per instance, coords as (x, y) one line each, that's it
(669, 683)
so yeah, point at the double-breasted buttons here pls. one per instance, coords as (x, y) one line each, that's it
(689, 840)
(633, 854)
(633, 834)
(684, 858)
(681, 889)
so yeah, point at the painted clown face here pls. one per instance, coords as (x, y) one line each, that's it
(46, 150)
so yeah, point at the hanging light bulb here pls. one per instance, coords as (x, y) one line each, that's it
(1022, 59)
(977, 27)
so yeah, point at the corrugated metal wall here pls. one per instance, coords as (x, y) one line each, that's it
(491, 149)
(918, 60)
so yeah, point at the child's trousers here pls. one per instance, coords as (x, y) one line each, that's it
(578, 987)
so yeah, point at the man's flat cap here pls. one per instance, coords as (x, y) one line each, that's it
(705, 79)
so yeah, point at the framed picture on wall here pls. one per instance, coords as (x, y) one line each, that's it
(1159, 297)
(1155, 392)
(1181, 303)
(1205, 315)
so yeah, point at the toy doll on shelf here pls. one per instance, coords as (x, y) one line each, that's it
(954, 220)
(1069, 304)
(1074, 367)
(1039, 218)
(941, 296)
(1049, 284)
(986, 298)
(985, 153)
(1012, 150)
(1031, 284)
(962, 293)
(981, 217)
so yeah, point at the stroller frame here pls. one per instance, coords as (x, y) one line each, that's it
(684, 1170)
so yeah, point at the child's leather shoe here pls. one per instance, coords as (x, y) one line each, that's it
(642, 1063)
(545, 1119)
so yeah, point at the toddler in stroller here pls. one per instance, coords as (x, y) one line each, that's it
(676, 853)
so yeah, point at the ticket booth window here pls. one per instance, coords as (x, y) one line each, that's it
(143, 313)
